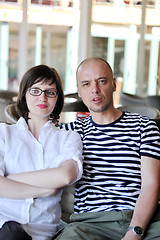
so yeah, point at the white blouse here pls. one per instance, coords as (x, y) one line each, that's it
(21, 152)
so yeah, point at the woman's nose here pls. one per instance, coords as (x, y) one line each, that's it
(43, 96)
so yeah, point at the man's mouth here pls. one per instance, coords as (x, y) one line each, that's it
(96, 99)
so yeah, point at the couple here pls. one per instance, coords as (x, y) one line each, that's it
(117, 196)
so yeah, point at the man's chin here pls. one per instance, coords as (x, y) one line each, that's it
(99, 109)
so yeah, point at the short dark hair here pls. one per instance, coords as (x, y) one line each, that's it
(44, 74)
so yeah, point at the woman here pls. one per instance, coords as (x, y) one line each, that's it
(37, 159)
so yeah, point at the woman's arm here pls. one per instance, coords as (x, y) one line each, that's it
(148, 198)
(14, 190)
(49, 178)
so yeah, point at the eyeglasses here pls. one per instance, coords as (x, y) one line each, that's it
(52, 93)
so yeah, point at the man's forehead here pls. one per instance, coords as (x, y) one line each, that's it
(93, 64)
(95, 67)
(88, 71)
(88, 62)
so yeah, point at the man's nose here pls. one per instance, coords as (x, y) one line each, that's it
(95, 88)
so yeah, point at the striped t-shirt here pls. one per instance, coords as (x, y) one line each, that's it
(112, 153)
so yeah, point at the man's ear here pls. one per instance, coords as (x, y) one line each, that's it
(79, 94)
(114, 84)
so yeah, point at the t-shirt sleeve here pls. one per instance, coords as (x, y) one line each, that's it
(150, 140)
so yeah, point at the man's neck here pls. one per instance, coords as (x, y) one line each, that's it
(106, 117)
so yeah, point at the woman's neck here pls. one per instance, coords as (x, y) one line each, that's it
(35, 126)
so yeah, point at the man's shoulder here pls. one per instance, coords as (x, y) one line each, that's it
(136, 117)
(143, 122)
(76, 125)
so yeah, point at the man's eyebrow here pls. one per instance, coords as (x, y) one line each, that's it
(84, 81)
(102, 78)
(99, 78)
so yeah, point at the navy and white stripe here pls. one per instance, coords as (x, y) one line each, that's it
(112, 161)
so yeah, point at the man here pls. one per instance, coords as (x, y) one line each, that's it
(117, 196)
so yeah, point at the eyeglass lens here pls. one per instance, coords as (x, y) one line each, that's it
(37, 92)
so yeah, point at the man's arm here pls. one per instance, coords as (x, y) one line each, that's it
(50, 178)
(148, 198)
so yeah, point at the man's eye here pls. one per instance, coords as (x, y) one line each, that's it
(102, 81)
(85, 84)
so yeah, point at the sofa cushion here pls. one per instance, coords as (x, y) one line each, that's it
(67, 202)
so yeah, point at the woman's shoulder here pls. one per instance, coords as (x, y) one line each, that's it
(66, 130)
(4, 125)
(65, 134)
(6, 130)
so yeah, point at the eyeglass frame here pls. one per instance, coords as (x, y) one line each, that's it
(42, 92)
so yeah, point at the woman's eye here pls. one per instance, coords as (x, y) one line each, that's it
(35, 91)
(51, 92)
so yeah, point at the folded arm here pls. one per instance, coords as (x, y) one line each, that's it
(149, 195)
(49, 178)
(15, 190)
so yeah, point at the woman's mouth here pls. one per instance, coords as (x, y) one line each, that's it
(42, 106)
